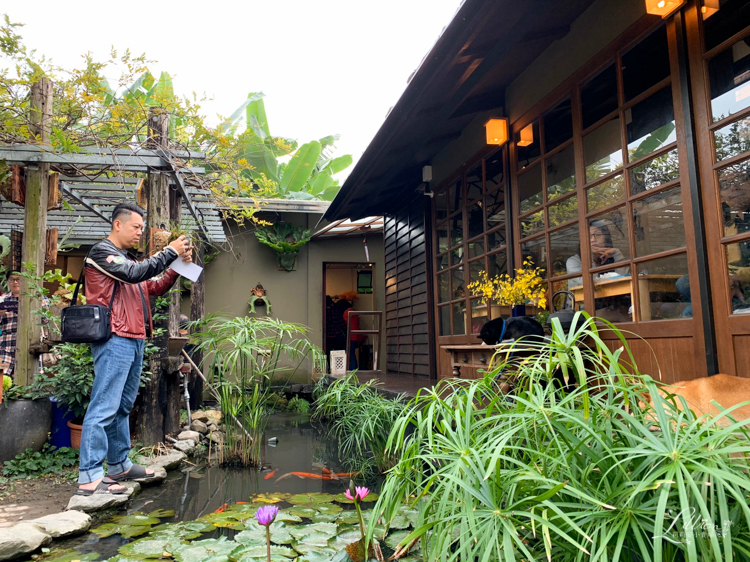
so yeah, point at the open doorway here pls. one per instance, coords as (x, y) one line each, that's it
(349, 285)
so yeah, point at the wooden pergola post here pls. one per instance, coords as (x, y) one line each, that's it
(197, 311)
(33, 247)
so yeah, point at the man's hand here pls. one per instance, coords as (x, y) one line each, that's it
(181, 245)
(188, 255)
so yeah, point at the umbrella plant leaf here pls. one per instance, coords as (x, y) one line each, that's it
(317, 497)
(208, 550)
(162, 513)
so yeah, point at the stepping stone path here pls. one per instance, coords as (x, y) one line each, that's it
(97, 502)
(66, 524)
(22, 539)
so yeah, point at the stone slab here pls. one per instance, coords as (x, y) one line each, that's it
(65, 524)
(199, 426)
(22, 539)
(187, 446)
(191, 435)
(160, 474)
(167, 462)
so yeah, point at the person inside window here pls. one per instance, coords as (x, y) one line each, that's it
(603, 252)
(356, 340)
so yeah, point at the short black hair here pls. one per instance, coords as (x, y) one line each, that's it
(125, 209)
(12, 272)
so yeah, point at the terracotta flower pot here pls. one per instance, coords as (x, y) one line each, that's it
(75, 433)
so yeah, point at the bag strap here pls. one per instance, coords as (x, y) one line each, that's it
(82, 282)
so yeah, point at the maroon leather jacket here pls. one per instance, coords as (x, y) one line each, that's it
(107, 265)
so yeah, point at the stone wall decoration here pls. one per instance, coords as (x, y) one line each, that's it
(259, 295)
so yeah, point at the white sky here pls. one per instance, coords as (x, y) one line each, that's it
(326, 66)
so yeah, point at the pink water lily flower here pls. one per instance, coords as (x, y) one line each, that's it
(266, 514)
(360, 494)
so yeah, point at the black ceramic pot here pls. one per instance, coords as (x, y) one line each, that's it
(25, 425)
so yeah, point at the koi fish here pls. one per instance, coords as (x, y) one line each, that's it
(223, 508)
(303, 475)
(269, 475)
(242, 503)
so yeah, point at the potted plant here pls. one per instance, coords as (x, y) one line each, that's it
(526, 287)
(25, 422)
(286, 240)
(69, 381)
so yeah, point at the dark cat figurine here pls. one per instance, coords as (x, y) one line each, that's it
(515, 328)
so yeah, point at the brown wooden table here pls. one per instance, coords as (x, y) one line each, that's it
(647, 284)
(476, 356)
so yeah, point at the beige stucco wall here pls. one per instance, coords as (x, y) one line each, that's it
(295, 296)
(598, 26)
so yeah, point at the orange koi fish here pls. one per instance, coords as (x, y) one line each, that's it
(222, 509)
(269, 475)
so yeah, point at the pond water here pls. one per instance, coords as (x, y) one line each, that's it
(301, 446)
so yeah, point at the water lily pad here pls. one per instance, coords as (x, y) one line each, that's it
(325, 517)
(412, 515)
(270, 498)
(345, 538)
(162, 513)
(400, 521)
(226, 519)
(393, 539)
(136, 519)
(68, 555)
(245, 552)
(150, 548)
(330, 508)
(208, 550)
(250, 538)
(322, 555)
(127, 531)
(288, 517)
(184, 530)
(302, 511)
(341, 498)
(350, 517)
(317, 497)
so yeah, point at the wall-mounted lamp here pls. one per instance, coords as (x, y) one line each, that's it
(426, 179)
(526, 136)
(709, 8)
(497, 130)
(663, 8)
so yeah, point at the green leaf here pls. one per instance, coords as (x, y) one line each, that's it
(248, 552)
(67, 555)
(339, 164)
(136, 519)
(302, 511)
(149, 548)
(208, 550)
(315, 497)
(300, 168)
(162, 513)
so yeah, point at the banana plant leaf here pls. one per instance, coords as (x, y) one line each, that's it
(300, 168)
(653, 142)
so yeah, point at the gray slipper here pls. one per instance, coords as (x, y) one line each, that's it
(136, 472)
(102, 488)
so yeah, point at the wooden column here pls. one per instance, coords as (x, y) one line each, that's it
(35, 227)
(197, 311)
(152, 406)
(172, 388)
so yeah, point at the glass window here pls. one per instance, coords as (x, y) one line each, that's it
(658, 222)
(562, 212)
(606, 193)
(474, 183)
(458, 283)
(558, 126)
(498, 264)
(441, 204)
(646, 64)
(496, 209)
(734, 189)
(496, 240)
(494, 170)
(478, 315)
(564, 245)
(531, 224)
(650, 125)
(475, 216)
(599, 96)
(733, 139)
(476, 248)
(443, 262)
(459, 317)
(530, 189)
(442, 237)
(664, 289)
(729, 77)
(655, 172)
(445, 320)
(738, 276)
(475, 267)
(731, 18)
(602, 150)
(443, 288)
(530, 153)
(457, 230)
(457, 254)
(455, 197)
(561, 173)
(613, 296)
(563, 301)
(536, 251)
(608, 237)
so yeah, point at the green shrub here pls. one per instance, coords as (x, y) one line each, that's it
(298, 405)
(49, 460)
(361, 420)
(595, 474)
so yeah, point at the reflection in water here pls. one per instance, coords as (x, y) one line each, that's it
(302, 447)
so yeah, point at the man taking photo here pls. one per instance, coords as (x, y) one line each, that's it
(117, 362)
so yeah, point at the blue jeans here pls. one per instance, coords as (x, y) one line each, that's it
(106, 427)
(352, 355)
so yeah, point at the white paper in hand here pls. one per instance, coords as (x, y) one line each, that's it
(188, 270)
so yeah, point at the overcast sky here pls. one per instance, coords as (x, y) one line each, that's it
(326, 66)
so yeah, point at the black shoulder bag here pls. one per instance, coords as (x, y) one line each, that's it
(86, 323)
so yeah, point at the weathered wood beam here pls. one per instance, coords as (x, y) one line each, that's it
(182, 189)
(85, 202)
(35, 227)
(187, 154)
(197, 312)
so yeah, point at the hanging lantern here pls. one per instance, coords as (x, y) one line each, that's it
(497, 130)
(709, 8)
(527, 136)
(663, 8)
